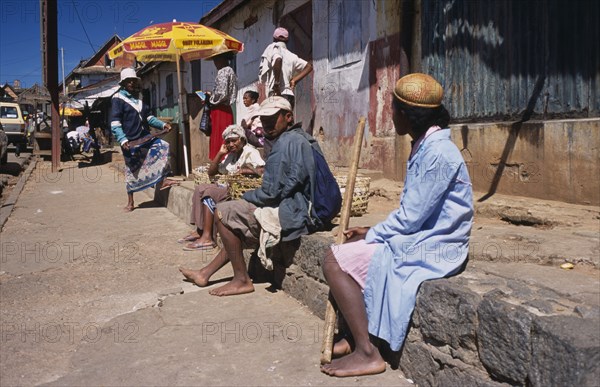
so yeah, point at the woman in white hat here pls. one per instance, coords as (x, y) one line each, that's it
(147, 162)
(236, 156)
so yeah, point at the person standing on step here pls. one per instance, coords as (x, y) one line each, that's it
(280, 69)
(221, 99)
(147, 164)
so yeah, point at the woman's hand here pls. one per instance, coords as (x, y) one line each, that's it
(354, 234)
(167, 127)
(224, 150)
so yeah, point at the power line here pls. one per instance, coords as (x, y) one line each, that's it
(72, 38)
(82, 26)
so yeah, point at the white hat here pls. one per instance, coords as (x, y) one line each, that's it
(127, 73)
(233, 131)
(272, 105)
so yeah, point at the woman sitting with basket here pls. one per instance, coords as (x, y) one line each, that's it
(236, 156)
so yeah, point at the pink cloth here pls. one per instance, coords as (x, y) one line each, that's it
(354, 259)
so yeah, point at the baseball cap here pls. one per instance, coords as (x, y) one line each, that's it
(272, 105)
(281, 33)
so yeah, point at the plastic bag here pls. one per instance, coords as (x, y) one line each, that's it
(205, 124)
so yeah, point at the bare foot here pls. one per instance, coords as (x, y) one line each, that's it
(233, 287)
(128, 208)
(356, 364)
(196, 276)
(341, 348)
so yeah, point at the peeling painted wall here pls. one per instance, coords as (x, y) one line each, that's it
(356, 59)
(358, 85)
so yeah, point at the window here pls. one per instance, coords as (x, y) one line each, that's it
(8, 112)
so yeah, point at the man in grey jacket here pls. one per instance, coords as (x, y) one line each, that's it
(285, 192)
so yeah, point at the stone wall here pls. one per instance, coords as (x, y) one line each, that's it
(459, 337)
(479, 328)
(498, 323)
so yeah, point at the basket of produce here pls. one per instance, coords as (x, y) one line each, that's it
(238, 184)
(200, 175)
(360, 198)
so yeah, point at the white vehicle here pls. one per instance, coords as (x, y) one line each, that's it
(3, 147)
(13, 124)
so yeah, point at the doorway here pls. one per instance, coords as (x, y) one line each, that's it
(299, 23)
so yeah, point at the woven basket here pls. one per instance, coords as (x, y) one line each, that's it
(238, 184)
(360, 199)
(201, 177)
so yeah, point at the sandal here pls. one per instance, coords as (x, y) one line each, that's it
(199, 246)
(188, 238)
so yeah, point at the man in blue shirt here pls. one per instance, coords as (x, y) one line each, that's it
(375, 277)
(283, 200)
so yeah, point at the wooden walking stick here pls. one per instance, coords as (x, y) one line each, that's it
(330, 313)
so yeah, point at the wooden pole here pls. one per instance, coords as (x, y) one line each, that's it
(50, 69)
(330, 313)
(182, 114)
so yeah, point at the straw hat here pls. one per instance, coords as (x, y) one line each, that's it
(419, 90)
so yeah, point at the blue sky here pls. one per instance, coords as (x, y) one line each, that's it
(82, 24)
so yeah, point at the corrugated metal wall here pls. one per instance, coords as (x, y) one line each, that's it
(511, 58)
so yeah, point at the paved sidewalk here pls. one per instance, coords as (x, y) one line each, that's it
(90, 295)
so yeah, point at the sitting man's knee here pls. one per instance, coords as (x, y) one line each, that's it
(330, 265)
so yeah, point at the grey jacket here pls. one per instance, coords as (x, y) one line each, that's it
(289, 171)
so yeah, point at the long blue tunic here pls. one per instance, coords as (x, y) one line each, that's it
(426, 238)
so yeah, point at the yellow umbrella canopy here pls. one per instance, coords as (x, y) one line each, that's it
(166, 41)
(68, 111)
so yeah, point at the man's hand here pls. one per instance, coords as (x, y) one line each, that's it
(292, 84)
(125, 145)
(354, 234)
(167, 127)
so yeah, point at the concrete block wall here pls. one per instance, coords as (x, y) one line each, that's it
(553, 160)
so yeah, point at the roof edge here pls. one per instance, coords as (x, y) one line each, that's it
(220, 11)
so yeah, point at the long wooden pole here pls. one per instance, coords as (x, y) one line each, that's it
(182, 114)
(330, 313)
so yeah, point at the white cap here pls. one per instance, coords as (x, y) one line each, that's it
(273, 105)
(127, 73)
